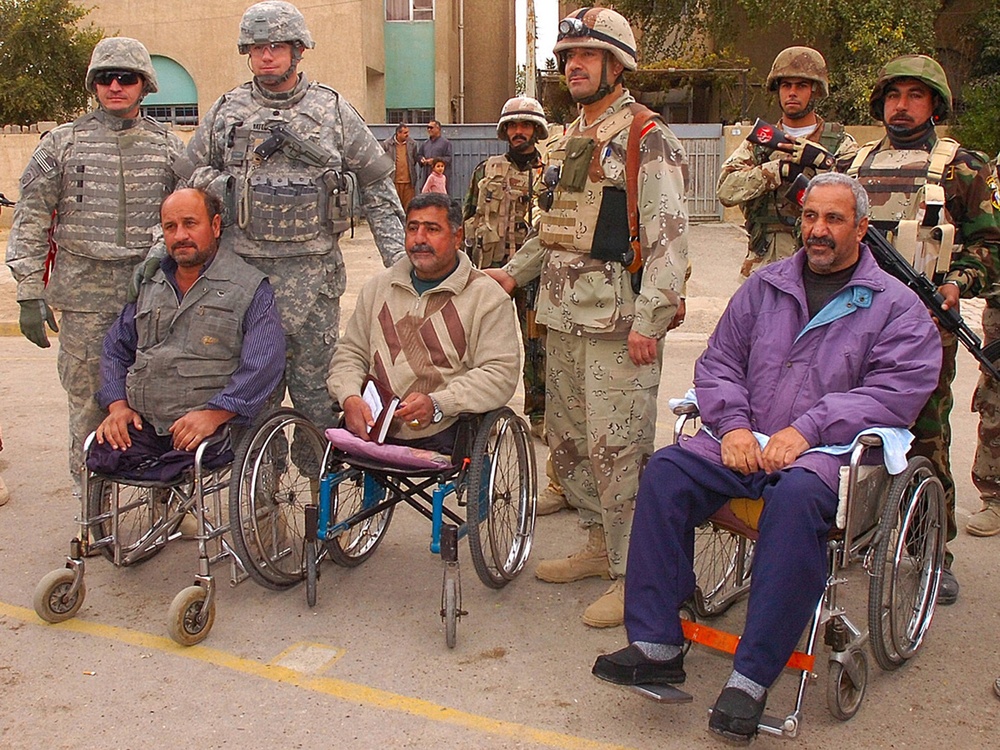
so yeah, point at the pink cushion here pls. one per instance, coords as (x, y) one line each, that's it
(393, 456)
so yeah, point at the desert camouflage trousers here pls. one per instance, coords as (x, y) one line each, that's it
(81, 339)
(986, 401)
(932, 430)
(778, 246)
(600, 419)
(533, 339)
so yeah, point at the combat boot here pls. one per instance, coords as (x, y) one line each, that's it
(985, 522)
(551, 500)
(609, 610)
(5, 494)
(589, 562)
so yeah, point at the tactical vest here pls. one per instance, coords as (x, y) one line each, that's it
(187, 351)
(569, 223)
(300, 189)
(907, 198)
(503, 210)
(113, 182)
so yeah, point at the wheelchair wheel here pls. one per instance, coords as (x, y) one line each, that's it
(51, 601)
(906, 568)
(142, 512)
(501, 492)
(275, 475)
(355, 493)
(449, 611)
(843, 694)
(722, 564)
(185, 610)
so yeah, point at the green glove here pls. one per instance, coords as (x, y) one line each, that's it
(34, 315)
(143, 272)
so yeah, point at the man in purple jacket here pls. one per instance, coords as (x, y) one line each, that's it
(811, 351)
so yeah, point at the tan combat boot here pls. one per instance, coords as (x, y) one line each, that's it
(589, 562)
(4, 492)
(985, 522)
(609, 610)
(553, 498)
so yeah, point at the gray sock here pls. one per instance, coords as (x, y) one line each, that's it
(657, 651)
(741, 682)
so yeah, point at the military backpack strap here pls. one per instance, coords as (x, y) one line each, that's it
(642, 123)
(941, 156)
(859, 158)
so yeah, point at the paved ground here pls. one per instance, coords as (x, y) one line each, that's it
(368, 666)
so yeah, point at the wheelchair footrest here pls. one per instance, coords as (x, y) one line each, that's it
(727, 642)
(662, 693)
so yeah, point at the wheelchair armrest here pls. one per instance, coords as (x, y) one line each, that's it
(686, 410)
(870, 441)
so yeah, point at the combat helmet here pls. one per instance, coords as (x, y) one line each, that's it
(799, 62)
(601, 28)
(122, 53)
(921, 67)
(521, 109)
(273, 21)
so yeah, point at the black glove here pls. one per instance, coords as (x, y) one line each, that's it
(34, 315)
(808, 154)
(143, 272)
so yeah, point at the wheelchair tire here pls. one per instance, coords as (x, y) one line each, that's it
(142, 513)
(182, 618)
(843, 694)
(51, 601)
(722, 566)
(275, 475)
(449, 611)
(501, 490)
(356, 492)
(907, 562)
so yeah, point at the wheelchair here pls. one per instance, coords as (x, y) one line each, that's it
(893, 526)
(299, 500)
(130, 521)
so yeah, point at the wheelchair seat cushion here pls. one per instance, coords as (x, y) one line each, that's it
(392, 456)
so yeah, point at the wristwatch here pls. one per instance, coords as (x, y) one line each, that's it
(438, 414)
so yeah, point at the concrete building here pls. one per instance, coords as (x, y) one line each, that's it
(452, 60)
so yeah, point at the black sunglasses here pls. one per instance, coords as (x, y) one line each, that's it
(124, 77)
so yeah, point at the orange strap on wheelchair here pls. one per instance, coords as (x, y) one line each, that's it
(727, 642)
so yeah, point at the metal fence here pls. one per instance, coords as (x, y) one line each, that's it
(704, 145)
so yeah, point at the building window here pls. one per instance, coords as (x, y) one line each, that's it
(409, 10)
(178, 115)
(410, 116)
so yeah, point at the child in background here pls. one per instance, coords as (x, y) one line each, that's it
(436, 182)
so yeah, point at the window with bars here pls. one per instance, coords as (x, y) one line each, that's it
(409, 10)
(411, 116)
(178, 115)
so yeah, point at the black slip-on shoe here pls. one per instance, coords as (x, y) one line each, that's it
(736, 715)
(629, 666)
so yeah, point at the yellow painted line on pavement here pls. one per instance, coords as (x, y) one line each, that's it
(341, 689)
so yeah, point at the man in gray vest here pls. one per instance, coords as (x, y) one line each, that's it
(287, 155)
(202, 346)
(103, 176)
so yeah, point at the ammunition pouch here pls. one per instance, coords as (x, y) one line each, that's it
(927, 239)
(579, 151)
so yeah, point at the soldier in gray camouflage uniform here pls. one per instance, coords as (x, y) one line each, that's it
(104, 175)
(287, 155)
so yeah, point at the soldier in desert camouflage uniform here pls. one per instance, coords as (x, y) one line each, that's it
(104, 175)
(501, 209)
(756, 179)
(604, 343)
(901, 173)
(286, 155)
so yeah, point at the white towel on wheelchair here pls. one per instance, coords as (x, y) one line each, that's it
(895, 440)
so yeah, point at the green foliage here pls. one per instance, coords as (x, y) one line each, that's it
(43, 60)
(978, 123)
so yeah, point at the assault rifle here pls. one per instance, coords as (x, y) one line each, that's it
(896, 265)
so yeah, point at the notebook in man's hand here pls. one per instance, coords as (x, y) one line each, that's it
(383, 402)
